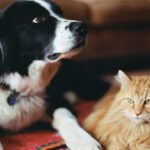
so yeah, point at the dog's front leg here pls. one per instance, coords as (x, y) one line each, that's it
(75, 137)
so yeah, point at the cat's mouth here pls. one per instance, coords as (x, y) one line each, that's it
(138, 119)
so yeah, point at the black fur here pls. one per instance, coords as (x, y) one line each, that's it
(23, 41)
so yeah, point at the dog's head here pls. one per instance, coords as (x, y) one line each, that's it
(36, 30)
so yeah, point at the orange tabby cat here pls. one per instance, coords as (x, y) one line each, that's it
(121, 120)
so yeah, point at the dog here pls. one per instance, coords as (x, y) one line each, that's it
(34, 38)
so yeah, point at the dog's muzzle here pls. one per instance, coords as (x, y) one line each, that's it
(79, 31)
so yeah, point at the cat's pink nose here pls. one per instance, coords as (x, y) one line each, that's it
(138, 113)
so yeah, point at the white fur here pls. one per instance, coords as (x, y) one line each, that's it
(35, 69)
(27, 85)
(71, 97)
(122, 78)
(26, 111)
(75, 137)
(64, 39)
(12, 79)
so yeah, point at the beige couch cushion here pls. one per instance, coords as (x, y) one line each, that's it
(117, 11)
(74, 9)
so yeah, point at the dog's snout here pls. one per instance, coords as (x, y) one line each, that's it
(78, 27)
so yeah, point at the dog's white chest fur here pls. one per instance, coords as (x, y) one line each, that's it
(26, 111)
(30, 105)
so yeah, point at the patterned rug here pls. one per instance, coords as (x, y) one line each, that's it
(56, 144)
(41, 136)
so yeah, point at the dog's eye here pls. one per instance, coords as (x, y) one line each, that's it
(38, 20)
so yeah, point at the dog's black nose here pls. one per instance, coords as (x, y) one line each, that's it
(79, 27)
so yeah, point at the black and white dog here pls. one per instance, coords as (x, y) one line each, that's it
(33, 38)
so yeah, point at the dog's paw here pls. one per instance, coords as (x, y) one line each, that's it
(81, 140)
(74, 136)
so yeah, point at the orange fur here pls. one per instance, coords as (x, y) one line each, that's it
(121, 119)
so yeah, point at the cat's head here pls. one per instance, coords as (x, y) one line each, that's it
(134, 97)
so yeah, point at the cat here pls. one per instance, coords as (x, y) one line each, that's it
(121, 119)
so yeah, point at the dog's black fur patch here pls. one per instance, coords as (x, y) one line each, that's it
(23, 41)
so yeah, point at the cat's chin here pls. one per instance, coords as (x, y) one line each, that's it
(137, 120)
(133, 118)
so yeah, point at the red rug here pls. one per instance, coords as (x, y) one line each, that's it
(41, 136)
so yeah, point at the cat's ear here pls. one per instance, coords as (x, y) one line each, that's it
(123, 79)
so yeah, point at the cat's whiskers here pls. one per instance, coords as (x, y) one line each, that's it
(116, 121)
(115, 111)
(112, 111)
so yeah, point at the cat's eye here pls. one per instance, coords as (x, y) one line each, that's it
(131, 101)
(39, 20)
(147, 101)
